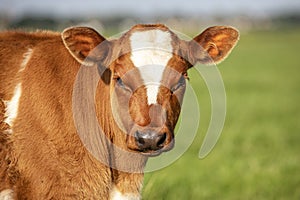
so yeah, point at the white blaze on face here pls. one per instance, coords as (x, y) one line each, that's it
(150, 52)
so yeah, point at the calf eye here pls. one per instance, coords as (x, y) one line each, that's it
(179, 84)
(121, 84)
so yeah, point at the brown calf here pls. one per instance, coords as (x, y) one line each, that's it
(137, 103)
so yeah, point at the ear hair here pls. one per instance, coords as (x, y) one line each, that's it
(213, 45)
(82, 43)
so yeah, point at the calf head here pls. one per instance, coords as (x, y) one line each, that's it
(148, 68)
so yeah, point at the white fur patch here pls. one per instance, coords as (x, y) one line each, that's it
(6, 194)
(150, 52)
(26, 58)
(117, 195)
(12, 106)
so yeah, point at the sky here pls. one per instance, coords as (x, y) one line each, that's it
(86, 8)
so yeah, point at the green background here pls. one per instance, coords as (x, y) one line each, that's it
(258, 153)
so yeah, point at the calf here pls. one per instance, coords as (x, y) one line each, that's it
(139, 86)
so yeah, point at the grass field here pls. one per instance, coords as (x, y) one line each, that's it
(258, 154)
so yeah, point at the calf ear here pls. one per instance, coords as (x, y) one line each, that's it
(213, 45)
(82, 42)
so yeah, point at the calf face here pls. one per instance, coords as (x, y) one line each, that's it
(148, 70)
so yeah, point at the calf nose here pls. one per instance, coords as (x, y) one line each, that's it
(150, 140)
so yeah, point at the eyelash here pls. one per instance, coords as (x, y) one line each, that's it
(179, 84)
(121, 83)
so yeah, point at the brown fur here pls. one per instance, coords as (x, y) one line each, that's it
(4, 150)
(80, 175)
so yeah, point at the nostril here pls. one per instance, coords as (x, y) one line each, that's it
(161, 140)
(138, 138)
(141, 141)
